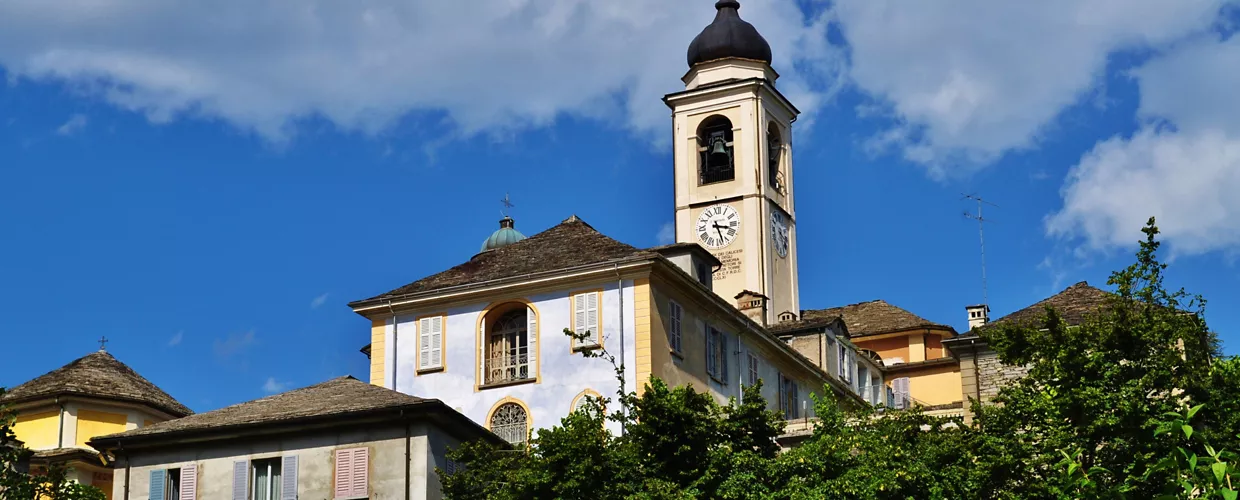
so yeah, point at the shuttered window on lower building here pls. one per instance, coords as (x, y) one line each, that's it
(352, 476)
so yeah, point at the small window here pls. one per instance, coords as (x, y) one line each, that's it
(716, 355)
(675, 318)
(172, 485)
(511, 423)
(788, 397)
(703, 273)
(863, 381)
(352, 478)
(430, 343)
(844, 369)
(586, 319)
(752, 375)
(265, 479)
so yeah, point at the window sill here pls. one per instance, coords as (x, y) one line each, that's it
(424, 371)
(586, 347)
(510, 383)
(677, 354)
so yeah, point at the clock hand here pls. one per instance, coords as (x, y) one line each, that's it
(720, 231)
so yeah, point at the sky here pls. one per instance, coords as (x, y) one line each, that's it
(208, 184)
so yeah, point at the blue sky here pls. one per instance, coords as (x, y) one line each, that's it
(208, 187)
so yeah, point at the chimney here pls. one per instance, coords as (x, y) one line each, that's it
(753, 305)
(978, 315)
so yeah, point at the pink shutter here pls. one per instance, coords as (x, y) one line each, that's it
(344, 473)
(189, 482)
(361, 472)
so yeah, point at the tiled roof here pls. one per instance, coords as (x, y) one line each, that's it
(870, 318)
(569, 244)
(336, 397)
(98, 375)
(1073, 304)
(803, 323)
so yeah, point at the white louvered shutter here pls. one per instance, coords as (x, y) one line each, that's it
(482, 351)
(531, 334)
(437, 341)
(424, 343)
(158, 480)
(241, 479)
(288, 478)
(579, 317)
(344, 474)
(189, 482)
(592, 319)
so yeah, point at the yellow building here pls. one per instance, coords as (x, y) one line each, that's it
(917, 366)
(58, 412)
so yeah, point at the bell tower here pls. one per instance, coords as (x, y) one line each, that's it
(732, 145)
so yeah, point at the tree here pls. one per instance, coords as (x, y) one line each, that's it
(19, 484)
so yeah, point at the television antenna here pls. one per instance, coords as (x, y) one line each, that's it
(981, 235)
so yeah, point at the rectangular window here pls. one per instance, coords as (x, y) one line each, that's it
(843, 362)
(864, 381)
(716, 355)
(788, 397)
(586, 319)
(753, 369)
(674, 331)
(172, 485)
(703, 272)
(352, 473)
(430, 343)
(265, 479)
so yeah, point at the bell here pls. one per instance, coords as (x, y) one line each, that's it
(719, 148)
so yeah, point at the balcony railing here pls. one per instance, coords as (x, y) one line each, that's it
(511, 366)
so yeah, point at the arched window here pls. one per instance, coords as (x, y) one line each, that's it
(583, 399)
(511, 423)
(715, 150)
(774, 156)
(508, 357)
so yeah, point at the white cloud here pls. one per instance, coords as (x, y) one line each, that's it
(273, 386)
(667, 233)
(969, 80)
(73, 125)
(494, 65)
(176, 339)
(234, 344)
(1182, 167)
(318, 301)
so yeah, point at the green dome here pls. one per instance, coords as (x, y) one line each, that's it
(504, 236)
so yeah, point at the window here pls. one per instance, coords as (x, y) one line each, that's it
(752, 378)
(511, 423)
(675, 320)
(788, 397)
(863, 380)
(843, 363)
(581, 402)
(715, 150)
(430, 343)
(703, 272)
(775, 153)
(586, 319)
(352, 473)
(265, 479)
(508, 350)
(716, 355)
(174, 484)
(900, 390)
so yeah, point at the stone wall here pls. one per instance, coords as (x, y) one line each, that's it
(982, 377)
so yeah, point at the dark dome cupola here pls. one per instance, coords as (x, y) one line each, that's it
(728, 36)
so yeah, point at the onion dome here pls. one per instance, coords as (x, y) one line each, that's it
(504, 236)
(728, 36)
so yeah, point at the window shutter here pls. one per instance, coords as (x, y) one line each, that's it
(724, 354)
(796, 398)
(482, 351)
(783, 398)
(437, 341)
(675, 330)
(361, 472)
(531, 340)
(344, 474)
(424, 343)
(189, 482)
(241, 479)
(158, 479)
(592, 319)
(288, 478)
(579, 315)
(710, 351)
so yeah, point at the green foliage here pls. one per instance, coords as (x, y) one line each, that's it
(1110, 408)
(17, 484)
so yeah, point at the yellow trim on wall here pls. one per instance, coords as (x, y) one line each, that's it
(378, 351)
(529, 416)
(641, 329)
(503, 305)
(572, 315)
(38, 430)
(443, 344)
(92, 423)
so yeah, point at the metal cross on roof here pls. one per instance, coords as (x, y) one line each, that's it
(103, 343)
(507, 204)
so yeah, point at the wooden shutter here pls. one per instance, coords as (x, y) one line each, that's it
(900, 387)
(241, 479)
(592, 319)
(724, 354)
(158, 480)
(674, 331)
(288, 478)
(437, 341)
(579, 315)
(483, 341)
(710, 351)
(424, 343)
(361, 472)
(189, 482)
(783, 398)
(531, 340)
(344, 474)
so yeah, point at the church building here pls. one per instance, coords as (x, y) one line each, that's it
(487, 336)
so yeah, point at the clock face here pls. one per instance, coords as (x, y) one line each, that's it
(717, 226)
(779, 232)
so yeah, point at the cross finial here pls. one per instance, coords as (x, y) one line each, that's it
(507, 202)
(103, 344)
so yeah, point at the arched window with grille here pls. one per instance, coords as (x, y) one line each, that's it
(508, 348)
(715, 150)
(511, 423)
